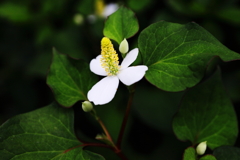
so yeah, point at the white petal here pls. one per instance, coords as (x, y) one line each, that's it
(130, 58)
(133, 74)
(95, 66)
(103, 91)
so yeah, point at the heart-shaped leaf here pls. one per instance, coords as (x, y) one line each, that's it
(46, 133)
(70, 79)
(206, 114)
(177, 55)
(121, 24)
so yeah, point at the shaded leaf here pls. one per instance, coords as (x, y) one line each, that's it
(177, 55)
(69, 79)
(85, 7)
(79, 154)
(206, 114)
(15, 12)
(121, 24)
(137, 5)
(230, 14)
(227, 153)
(46, 133)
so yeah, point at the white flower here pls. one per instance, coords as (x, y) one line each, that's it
(106, 64)
(109, 9)
(102, 10)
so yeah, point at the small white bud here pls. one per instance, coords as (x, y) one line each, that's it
(87, 106)
(201, 148)
(100, 136)
(91, 18)
(123, 47)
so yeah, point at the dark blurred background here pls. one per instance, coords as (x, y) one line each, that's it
(29, 29)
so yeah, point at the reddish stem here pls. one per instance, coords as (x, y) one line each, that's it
(88, 144)
(104, 129)
(117, 148)
(121, 155)
(125, 119)
(113, 146)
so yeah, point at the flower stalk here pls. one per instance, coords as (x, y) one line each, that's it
(106, 137)
(125, 119)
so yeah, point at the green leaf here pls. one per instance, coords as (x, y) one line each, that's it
(208, 157)
(137, 5)
(206, 114)
(230, 14)
(15, 12)
(227, 153)
(177, 55)
(85, 7)
(121, 24)
(69, 79)
(80, 154)
(189, 154)
(46, 133)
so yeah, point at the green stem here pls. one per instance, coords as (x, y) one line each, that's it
(125, 119)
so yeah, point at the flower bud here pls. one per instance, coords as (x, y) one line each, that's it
(78, 19)
(201, 148)
(123, 47)
(87, 106)
(100, 137)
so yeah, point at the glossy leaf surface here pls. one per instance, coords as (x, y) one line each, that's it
(177, 55)
(69, 79)
(46, 133)
(121, 24)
